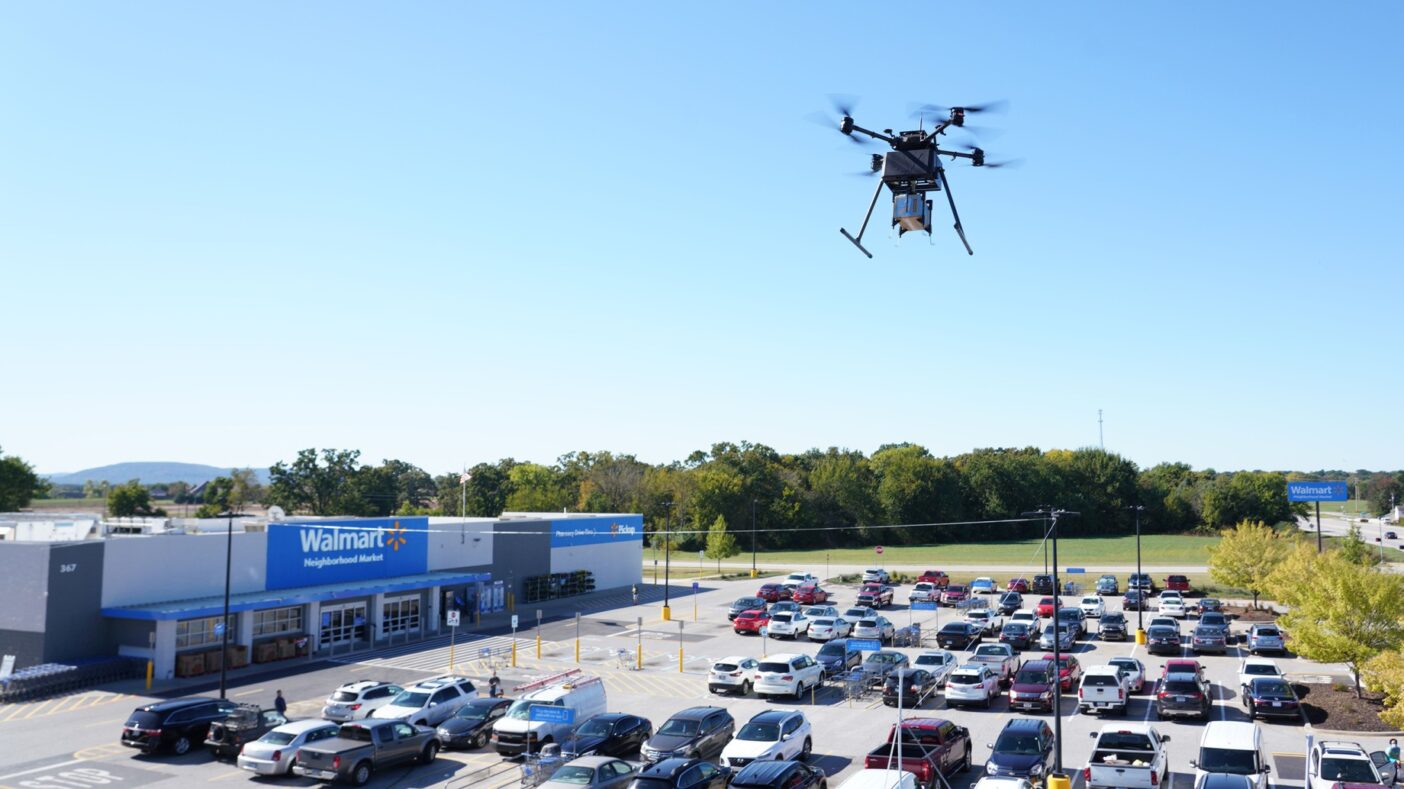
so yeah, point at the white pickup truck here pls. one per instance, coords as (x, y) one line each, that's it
(1104, 689)
(1000, 658)
(1128, 755)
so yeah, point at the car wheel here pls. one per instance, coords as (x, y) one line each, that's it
(746, 687)
(181, 746)
(480, 740)
(805, 751)
(965, 763)
(361, 775)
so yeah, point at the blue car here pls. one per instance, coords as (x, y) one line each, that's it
(983, 586)
(1023, 750)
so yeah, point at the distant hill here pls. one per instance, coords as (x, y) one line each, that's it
(149, 473)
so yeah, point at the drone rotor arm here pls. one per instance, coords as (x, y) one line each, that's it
(875, 135)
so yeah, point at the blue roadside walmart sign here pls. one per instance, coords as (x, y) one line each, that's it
(1317, 491)
(308, 553)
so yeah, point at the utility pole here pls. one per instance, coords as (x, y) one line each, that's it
(224, 621)
(1140, 609)
(1053, 515)
(753, 538)
(667, 556)
(1100, 443)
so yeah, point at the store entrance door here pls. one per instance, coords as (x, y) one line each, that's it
(343, 624)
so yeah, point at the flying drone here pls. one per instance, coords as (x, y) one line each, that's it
(913, 167)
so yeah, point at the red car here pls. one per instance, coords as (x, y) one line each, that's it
(811, 594)
(773, 593)
(1045, 606)
(1178, 583)
(750, 621)
(1182, 666)
(954, 594)
(1020, 585)
(1069, 670)
(937, 577)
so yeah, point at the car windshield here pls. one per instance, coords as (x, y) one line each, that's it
(883, 657)
(679, 726)
(1270, 632)
(277, 738)
(780, 618)
(594, 728)
(1160, 631)
(931, 660)
(1212, 619)
(1261, 669)
(573, 774)
(953, 628)
(978, 615)
(471, 712)
(344, 695)
(836, 650)
(762, 732)
(521, 710)
(1128, 664)
(410, 698)
(867, 623)
(1019, 744)
(965, 678)
(1356, 771)
(1272, 688)
(1181, 687)
(1016, 629)
(822, 623)
(1112, 619)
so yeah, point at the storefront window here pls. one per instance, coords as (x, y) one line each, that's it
(400, 615)
(343, 623)
(202, 632)
(277, 622)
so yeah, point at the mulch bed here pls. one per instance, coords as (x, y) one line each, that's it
(1340, 709)
(1241, 614)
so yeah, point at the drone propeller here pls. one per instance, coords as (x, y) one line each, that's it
(843, 105)
(979, 160)
(969, 109)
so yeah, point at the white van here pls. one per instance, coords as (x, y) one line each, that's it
(1231, 747)
(515, 732)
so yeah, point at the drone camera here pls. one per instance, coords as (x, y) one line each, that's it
(846, 125)
(877, 162)
(977, 157)
(958, 116)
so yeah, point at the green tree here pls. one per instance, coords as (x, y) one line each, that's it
(131, 500)
(721, 544)
(1385, 491)
(1246, 556)
(1355, 550)
(1345, 613)
(1248, 495)
(18, 483)
(537, 488)
(487, 490)
(1384, 673)
(320, 486)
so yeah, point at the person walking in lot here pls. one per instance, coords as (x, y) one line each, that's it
(635, 590)
(280, 704)
(1393, 754)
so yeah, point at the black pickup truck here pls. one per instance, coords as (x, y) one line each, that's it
(361, 748)
(245, 724)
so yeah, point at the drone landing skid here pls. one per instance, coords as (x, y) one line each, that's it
(856, 243)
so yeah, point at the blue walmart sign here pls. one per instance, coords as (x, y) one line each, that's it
(337, 551)
(1317, 491)
(592, 531)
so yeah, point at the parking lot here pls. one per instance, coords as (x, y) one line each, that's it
(73, 740)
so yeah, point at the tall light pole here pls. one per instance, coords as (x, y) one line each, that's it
(753, 538)
(224, 621)
(667, 556)
(1053, 515)
(1140, 609)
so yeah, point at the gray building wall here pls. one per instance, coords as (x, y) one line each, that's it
(25, 568)
(454, 543)
(517, 555)
(163, 568)
(614, 564)
(76, 627)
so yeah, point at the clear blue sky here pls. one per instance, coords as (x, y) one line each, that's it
(452, 232)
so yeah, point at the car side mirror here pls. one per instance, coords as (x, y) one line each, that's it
(1166, 738)
(1267, 768)
(1092, 734)
(989, 745)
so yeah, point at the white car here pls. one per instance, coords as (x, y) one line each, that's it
(971, 684)
(357, 700)
(988, 621)
(859, 612)
(924, 592)
(735, 674)
(800, 579)
(1164, 621)
(430, 702)
(1025, 615)
(1092, 606)
(1003, 782)
(1134, 670)
(939, 662)
(1257, 667)
(788, 625)
(770, 735)
(1338, 762)
(876, 574)
(1172, 604)
(983, 585)
(825, 628)
(787, 675)
(821, 610)
(879, 627)
(880, 779)
(274, 752)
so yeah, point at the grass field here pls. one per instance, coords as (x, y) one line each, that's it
(1156, 549)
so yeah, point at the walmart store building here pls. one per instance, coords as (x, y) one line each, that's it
(302, 586)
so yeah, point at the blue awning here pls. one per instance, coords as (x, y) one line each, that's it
(258, 601)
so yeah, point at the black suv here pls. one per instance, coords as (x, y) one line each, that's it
(1183, 694)
(694, 733)
(1112, 627)
(1042, 584)
(176, 724)
(681, 774)
(1024, 750)
(779, 775)
(610, 734)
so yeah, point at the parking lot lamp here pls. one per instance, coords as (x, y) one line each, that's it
(224, 621)
(753, 538)
(1053, 515)
(667, 556)
(1140, 609)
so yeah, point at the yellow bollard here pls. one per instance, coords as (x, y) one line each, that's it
(755, 573)
(150, 672)
(638, 659)
(538, 646)
(1141, 637)
(514, 653)
(577, 650)
(680, 659)
(667, 613)
(1057, 781)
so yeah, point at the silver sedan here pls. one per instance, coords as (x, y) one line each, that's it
(592, 772)
(272, 754)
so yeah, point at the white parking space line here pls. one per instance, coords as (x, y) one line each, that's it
(42, 769)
